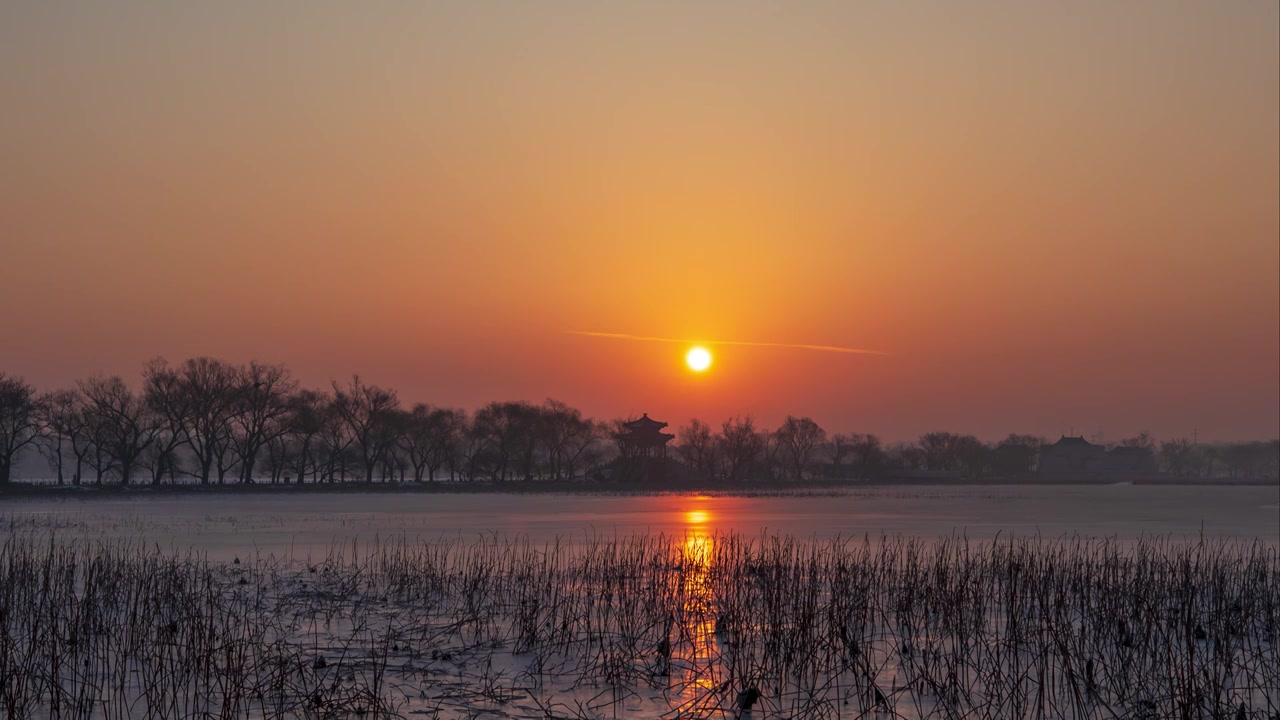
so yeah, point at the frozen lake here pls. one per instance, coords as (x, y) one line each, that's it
(313, 604)
(224, 525)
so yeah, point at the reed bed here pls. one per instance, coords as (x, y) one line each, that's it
(644, 626)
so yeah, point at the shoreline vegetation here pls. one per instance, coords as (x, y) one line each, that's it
(209, 422)
(51, 490)
(644, 626)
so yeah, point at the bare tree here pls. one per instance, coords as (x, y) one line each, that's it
(506, 432)
(414, 437)
(169, 400)
(951, 452)
(973, 457)
(366, 412)
(51, 442)
(740, 446)
(97, 433)
(909, 456)
(698, 448)
(394, 461)
(565, 435)
(583, 447)
(212, 415)
(1016, 454)
(430, 439)
(939, 450)
(1252, 459)
(473, 447)
(209, 387)
(305, 418)
(277, 458)
(259, 408)
(1177, 455)
(126, 427)
(63, 422)
(1141, 440)
(839, 448)
(867, 455)
(773, 458)
(799, 440)
(19, 422)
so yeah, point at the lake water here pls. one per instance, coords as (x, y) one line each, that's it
(224, 525)
(646, 628)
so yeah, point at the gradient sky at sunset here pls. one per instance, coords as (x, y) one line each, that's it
(1046, 215)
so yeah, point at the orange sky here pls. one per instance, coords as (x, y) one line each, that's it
(1049, 216)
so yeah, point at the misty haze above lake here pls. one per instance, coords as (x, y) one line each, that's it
(224, 526)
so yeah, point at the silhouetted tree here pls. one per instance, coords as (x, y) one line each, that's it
(1177, 456)
(97, 431)
(949, 452)
(393, 461)
(910, 457)
(209, 388)
(259, 410)
(307, 417)
(63, 431)
(866, 455)
(430, 439)
(1016, 454)
(565, 436)
(506, 432)
(698, 447)
(214, 416)
(799, 440)
(741, 445)
(838, 449)
(335, 443)
(1142, 440)
(125, 425)
(584, 447)
(169, 400)
(773, 464)
(940, 450)
(1251, 459)
(473, 446)
(366, 412)
(972, 456)
(19, 422)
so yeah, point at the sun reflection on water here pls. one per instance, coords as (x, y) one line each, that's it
(696, 588)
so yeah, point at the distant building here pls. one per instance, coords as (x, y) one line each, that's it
(1072, 456)
(1077, 457)
(644, 438)
(642, 454)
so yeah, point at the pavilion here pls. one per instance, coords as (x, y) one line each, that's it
(644, 438)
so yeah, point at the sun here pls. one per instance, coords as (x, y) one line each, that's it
(698, 359)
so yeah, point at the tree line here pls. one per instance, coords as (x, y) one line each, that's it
(213, 422)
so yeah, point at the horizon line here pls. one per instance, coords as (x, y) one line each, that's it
(747, 343)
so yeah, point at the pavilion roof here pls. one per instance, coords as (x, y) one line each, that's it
(645, 424)
(1072, 440)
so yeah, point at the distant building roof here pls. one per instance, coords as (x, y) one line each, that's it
(645, 432)
(645, 424)
(1069, 440)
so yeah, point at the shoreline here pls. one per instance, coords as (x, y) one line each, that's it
(26, 490)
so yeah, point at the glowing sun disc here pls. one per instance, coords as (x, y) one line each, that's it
(698, 359)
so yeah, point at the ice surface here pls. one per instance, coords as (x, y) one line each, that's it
(543, 605)
(230, 524)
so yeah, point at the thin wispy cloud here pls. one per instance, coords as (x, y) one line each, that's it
(747, 343)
